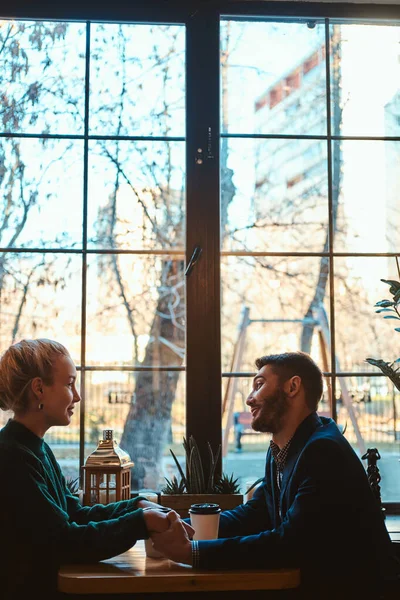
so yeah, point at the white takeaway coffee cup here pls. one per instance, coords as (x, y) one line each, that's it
(204, 519)
(151, 552)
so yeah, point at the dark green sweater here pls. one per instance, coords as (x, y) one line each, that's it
(42, 525)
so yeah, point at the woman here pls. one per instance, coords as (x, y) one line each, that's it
(41, 524)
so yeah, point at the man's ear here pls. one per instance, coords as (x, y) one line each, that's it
(37, 386)
(292, 385)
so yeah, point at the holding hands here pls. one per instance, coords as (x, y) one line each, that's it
(174, 542)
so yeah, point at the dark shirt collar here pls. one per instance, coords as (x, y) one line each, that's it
(22, 435)
(280, 455)
(304, 430)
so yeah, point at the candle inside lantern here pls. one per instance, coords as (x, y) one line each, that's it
(107, 489)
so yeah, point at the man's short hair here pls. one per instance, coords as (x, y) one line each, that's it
(289, 364)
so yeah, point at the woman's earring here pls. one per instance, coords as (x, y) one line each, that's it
(40, 407)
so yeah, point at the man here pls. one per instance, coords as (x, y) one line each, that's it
(315, 508)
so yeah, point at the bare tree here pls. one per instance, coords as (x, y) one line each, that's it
(24, 192)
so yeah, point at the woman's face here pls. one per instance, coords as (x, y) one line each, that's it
(60, 397)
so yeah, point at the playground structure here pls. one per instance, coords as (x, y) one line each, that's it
(320, 321)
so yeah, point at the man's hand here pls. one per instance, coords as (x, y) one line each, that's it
(175, 542)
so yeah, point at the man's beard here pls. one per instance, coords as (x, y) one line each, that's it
(271, 414)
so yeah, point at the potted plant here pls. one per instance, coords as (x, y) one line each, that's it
(192, 487)
(391, 310)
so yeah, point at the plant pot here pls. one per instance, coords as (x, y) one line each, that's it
(182, 502)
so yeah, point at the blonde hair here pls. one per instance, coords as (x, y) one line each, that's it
(20, 364)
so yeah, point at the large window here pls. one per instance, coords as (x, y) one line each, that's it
(269, 142)
(93, 220)
(310, 190)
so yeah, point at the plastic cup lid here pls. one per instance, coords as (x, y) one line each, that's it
(205, 509)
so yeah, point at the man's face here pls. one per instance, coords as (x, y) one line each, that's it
(267, 401)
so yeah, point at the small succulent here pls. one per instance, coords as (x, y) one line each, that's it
(173, 486)
(227, 485)
(193, 482)
(72, 485)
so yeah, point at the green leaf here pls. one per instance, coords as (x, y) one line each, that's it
(179, 468)
(397, 328)
(253, 485)
(386, 369)
(227, 485)
(384, 303)
(394, 285)
(173, 486)
(391, 317)
(381, 310)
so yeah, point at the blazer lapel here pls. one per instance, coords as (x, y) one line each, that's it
(303, 432)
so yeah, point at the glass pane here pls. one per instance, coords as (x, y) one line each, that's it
(41, 297)
(42, 76)
(41, 191)
(368, 206)
(244, 448)
(358, 287)
(365, 75)
(136, 310)
(369, 407)
(137, 77)
(64, 442)
(272, 305)
(137, 407)
(137, 197)
(271, 74)
(274, 195)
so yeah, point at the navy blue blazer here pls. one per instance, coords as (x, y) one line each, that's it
(324, 519)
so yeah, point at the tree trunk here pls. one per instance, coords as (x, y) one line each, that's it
(148, 422)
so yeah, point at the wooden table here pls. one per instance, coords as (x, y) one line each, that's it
(134, 573)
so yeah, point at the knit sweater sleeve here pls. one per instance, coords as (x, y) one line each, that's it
(82, 515)
(34, 516)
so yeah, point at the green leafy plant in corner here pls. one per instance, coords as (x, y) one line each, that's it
(193, 481)
(390, 310)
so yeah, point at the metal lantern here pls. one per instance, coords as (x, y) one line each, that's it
(107, 473)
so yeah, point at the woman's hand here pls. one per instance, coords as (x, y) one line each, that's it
(149, 504)
(156, 520)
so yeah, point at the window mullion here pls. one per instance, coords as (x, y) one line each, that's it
(203, 412)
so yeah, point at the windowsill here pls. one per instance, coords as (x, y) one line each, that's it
(391, 508)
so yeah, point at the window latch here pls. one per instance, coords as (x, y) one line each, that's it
(193, 260)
